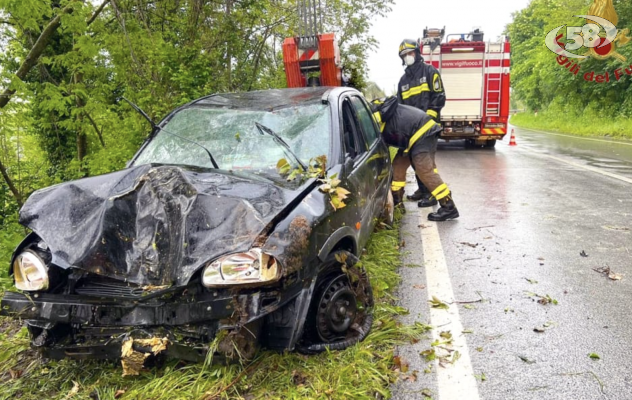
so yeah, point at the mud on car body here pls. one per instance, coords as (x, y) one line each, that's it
(173, 249)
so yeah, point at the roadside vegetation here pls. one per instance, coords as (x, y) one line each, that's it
(620, 128)
(364, 371)
(566, 102)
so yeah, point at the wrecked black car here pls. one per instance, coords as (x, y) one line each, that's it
(238, 223)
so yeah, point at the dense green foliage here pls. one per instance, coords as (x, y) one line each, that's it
(64, 121)
(563, 100)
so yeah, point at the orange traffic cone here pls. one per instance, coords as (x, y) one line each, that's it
(512, 141)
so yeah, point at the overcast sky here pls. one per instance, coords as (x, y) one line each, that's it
(409, 18)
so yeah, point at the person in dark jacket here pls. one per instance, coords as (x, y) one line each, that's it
(415, 134)
(420, 87)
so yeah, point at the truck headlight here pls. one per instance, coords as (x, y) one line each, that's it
(253, 266)
(30, 272)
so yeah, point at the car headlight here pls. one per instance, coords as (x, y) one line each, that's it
(30, 272)
(253, 266)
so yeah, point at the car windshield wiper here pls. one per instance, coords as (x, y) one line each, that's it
(264, 129)
(157, 127)
(190, 141)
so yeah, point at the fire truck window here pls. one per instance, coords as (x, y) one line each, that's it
(366, 121)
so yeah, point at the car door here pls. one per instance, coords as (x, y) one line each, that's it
(358, 173)
(378, 158)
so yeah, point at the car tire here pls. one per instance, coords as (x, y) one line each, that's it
(340, 313)
(469, 143)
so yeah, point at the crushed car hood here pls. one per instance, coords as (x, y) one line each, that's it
(152, 224)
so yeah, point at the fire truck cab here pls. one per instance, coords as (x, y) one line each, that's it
(476, 80)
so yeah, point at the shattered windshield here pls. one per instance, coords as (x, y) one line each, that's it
(234, 140)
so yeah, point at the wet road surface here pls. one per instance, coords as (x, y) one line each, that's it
(528, 213)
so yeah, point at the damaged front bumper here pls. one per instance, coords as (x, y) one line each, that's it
(87, 327)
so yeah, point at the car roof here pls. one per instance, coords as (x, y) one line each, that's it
(264, 100)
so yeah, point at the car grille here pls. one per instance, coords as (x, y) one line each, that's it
(102, 287)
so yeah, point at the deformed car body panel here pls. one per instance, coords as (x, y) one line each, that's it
(152, 224)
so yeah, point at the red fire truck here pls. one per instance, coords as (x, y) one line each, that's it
(476, 79)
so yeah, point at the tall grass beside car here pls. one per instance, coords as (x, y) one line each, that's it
(363, 371)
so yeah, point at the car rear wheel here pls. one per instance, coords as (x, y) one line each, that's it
(340, 313)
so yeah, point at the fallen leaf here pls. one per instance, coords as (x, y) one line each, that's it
(594, 356)
(119, 393)
(426, 392)
(615, 277)
(531, 281)
(583, 254)
(419, 286)
(436, 303)
(469, 306)
(527, 360)
(74, 390)
(467, 331)
(429, 354)
(539, 330)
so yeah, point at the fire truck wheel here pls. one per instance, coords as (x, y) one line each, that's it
(490, 144)
(469, 143)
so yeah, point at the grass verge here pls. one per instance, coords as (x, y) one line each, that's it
(588, 125)
(364, 371)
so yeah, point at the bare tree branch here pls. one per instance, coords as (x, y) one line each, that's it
(12, 188)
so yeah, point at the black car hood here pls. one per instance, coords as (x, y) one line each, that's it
(152, 224)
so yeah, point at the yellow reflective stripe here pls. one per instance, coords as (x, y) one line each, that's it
(432, 113)
(419, 134)
(406, 46)
(378, 118)
(436, 171)
(415, 91)
(443, 194)
(439, 189)
(434, 83)
(396, 185)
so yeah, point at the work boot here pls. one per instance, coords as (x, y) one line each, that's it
(427, 201)
(398, 196)
(418, 195)
(446, 211)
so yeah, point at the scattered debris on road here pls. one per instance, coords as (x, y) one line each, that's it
(606, 271)
(526, 359)
(472, 245)
(583, 254)
(436, 303)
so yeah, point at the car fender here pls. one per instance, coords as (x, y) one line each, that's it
(335, 238)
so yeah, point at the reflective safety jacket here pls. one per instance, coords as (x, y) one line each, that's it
(406, 127)
(421, 87)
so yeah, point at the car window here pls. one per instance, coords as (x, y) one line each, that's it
(234, 140)
(354, 140)
(366, 121)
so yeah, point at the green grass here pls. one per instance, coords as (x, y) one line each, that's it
(364, 371)
(585, 125)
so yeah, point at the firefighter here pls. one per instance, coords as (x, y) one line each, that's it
(420, 87)
(415, 134)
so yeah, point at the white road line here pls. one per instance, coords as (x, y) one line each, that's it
(577, 137)
(586, 167)
(455, 381)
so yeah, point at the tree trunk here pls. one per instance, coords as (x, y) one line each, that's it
(12, 188)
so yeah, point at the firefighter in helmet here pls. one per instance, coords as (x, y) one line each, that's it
(420, 87)
(415, 134)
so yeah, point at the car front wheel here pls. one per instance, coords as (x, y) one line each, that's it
(340, 312)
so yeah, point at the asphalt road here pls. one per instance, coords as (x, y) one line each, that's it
(527, 212)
